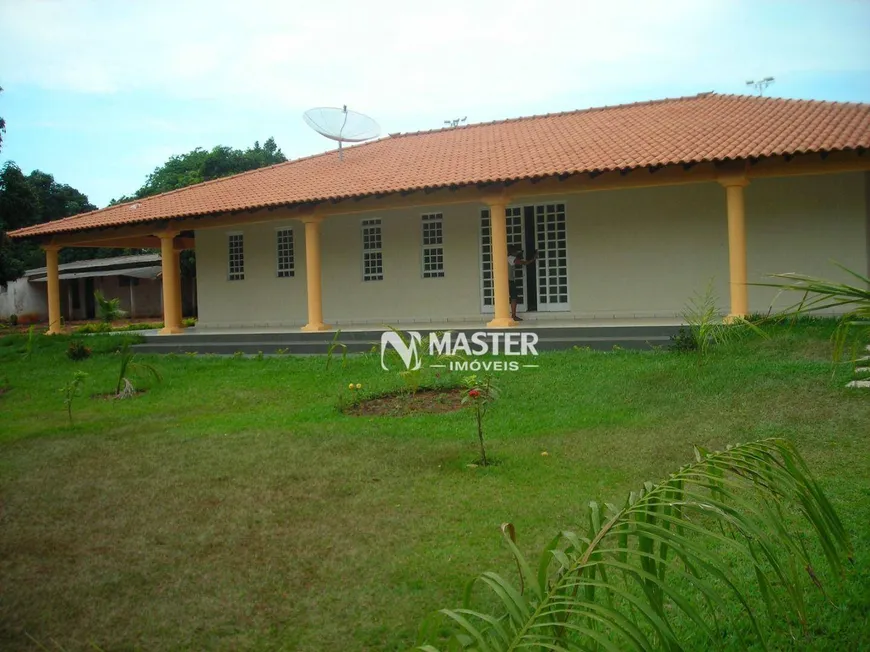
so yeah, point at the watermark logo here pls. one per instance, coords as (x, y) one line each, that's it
(461, 351)
(408, 351)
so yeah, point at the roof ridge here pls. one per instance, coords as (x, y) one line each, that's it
(556, 114)
(790, 100)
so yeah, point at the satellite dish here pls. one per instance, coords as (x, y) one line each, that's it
(341, 125)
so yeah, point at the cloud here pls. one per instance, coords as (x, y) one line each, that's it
(397, 57)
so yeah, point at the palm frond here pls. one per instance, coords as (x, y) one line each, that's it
(109, 310)
(821, 295)
(707, 554)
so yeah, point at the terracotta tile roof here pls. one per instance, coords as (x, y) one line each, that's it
(705, 127)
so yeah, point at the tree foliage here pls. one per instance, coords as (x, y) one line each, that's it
(19, 207)
(2, 126)
(31, 199)
(204, 165)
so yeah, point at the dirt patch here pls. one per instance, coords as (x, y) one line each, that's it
(425, 401)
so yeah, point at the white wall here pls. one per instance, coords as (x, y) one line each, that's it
(22, 297)
(632, 253)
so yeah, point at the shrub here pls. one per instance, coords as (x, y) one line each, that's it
(102, 327)
(77, 351)
(13, 319)
(683, 340)
(188, 322)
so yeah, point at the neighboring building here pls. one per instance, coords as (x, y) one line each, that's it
(135, 280)
(632, 209)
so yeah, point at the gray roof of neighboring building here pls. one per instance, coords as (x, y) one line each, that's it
(119, 263)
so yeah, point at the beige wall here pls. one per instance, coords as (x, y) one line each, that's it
(632, 253)
(261, 298)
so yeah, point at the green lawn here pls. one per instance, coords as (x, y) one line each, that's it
(233, 507)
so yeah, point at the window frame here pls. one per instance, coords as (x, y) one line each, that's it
(239, 274)
(288, 256)
(365, 239)
(432, 248)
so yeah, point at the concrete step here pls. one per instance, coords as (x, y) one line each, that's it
(374, 335)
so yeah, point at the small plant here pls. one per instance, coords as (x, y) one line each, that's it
(708, 328)
(237, 355)
(71, 390)
(13, 319)
(336, 345)
(109, 310)
(260, 356)
(29, 344)
(344, 403)
(77, 351)
(481, 392)
(282, 351)
(412, 379)
(130, 366)
(188, 322)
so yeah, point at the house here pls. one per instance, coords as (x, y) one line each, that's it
(133, 279)
(632, 209)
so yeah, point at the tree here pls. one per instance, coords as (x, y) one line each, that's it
(34, 199)
(2, 126)
(19, 207)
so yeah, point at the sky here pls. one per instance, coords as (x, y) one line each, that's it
(100, 92)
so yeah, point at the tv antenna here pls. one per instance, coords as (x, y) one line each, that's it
(761, 84)
(455, 121)
(341, 125)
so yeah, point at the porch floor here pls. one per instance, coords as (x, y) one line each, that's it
(530, 321)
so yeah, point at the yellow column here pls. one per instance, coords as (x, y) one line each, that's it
(171, 285)
(53, 277)
(179, 304)
(737, 245)
(313, 273)
(498, 232)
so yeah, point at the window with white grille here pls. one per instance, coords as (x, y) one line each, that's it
(236, 257)
(373, 260)
(285, 256)
(433, 245)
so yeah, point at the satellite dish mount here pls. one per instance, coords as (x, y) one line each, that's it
(341, 125)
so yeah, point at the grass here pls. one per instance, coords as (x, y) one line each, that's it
(232, 506)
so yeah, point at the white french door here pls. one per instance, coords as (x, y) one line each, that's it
(514, 222)
(551, 239)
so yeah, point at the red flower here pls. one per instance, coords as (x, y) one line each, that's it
(474, 393)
